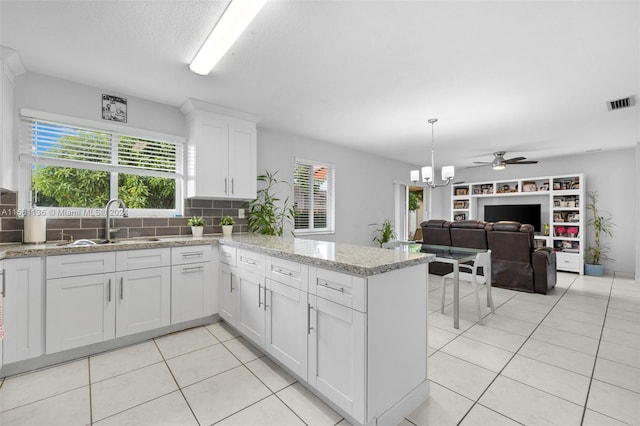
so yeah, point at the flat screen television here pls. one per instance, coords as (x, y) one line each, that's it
(523, 213)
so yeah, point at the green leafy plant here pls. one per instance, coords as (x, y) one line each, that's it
(268, 214)
(227, 220)
(602, 226)
(196, 221)
(414, 200)
(384, 233)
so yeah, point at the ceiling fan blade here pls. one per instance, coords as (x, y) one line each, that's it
(482, 162)
(523, 162)
(514, 160)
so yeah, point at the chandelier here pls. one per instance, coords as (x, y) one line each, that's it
(448, 172)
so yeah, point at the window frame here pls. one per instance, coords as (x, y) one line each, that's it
(26, 161)
(331, 198)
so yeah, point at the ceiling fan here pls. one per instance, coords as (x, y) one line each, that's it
(499, 162)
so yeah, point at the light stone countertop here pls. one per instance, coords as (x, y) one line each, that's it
(359, 260)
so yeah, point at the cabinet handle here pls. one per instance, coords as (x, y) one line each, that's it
(193, 254)
(121, 288)
(248, 262)
(231, 282)
(309, 328)
(225, 185)
(283, 272)
(4, 285)
(326, 285)
(259, 295)
(265, 297)
(109, 290)
(232, 186)
(193, 269)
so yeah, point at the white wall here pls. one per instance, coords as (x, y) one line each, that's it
(364, 182)
(611, 173)
(49, 94)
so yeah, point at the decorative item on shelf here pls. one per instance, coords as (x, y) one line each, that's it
(560, 231)
(529, 186)
(572, 232)
(384, 233)
(267, 213)
(459, 217)
(544, 187)
(461, 204)
(462, 191)
(227, 223)
(448, 172)
(504, 189)
(197, 224)
(546, 229)
(557, 217)
(556, 186)
(557, 202)
(602, 226)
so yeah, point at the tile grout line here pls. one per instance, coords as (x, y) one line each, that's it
(595, 362)
(476, 402)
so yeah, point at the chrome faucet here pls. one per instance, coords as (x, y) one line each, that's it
(108, 230)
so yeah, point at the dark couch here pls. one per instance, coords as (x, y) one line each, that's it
(515, 262)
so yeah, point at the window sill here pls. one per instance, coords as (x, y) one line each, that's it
(299, 233)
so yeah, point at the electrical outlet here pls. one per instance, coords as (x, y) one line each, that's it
(240, 213)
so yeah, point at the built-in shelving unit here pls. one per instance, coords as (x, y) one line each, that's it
(562, 199)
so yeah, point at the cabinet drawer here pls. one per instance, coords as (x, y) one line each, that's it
(568, 261)
(286, 272)
(345, 289)
(250, 260)
(142, 259)
(71, 265)
(190, 254)
(227, 255)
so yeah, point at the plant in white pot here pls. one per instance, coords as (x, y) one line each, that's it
(597, 252)
(227, 223)
(197, 224)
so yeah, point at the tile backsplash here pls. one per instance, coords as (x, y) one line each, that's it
(58, 229)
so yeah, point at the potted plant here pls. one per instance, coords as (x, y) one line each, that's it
(197, 224)
(384, 233)
(414, 204)
(602, 226)
(227, 223)
(267, 213)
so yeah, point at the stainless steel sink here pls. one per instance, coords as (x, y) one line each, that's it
(87, 242)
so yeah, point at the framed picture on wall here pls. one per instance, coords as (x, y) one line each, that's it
(114, 108)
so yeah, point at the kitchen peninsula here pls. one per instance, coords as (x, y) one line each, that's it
(349, 322)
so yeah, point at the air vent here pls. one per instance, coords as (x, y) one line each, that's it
(621, 103)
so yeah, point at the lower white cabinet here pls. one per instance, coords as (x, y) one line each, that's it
(22, 309)
(81, 311)
(250, 316)
(286, 326)
(193, 290)
(228, 288)
(337, 361)
(85, 308)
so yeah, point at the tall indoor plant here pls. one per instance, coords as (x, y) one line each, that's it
(602, 226)
(268, 213)
(384, 233)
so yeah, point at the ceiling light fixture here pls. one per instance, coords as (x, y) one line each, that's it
(498, 162)
(234, 21)
(448, 172)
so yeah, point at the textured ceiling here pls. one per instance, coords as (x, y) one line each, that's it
(530, 78)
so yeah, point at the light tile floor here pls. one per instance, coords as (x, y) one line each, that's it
(568, 358)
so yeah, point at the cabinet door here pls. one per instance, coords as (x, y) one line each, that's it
(143, 300)
(242, 160)
(208, 157)
(228, 290)
(80, 311)
(337, 354)
(22, 309)
(7, 164)
(286, 328)
(191, 291)
(250, 319)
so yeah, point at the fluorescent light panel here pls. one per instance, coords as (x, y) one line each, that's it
(233, 22)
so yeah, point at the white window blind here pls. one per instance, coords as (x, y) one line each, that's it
(146, 170)
(314, 197)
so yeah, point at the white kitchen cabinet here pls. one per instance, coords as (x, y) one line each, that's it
(81, 310)
(286, 326)
(144, 300)
(221, 151)
(10, 67)
(228, 288)
(250, 312)
(193, 289)
(22, 308)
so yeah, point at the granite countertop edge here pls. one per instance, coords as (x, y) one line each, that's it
(55, 248)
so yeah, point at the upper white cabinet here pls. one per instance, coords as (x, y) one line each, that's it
(221, 151)
(10, 67)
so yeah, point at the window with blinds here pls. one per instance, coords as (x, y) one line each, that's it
(81, 167)
(314, 197)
